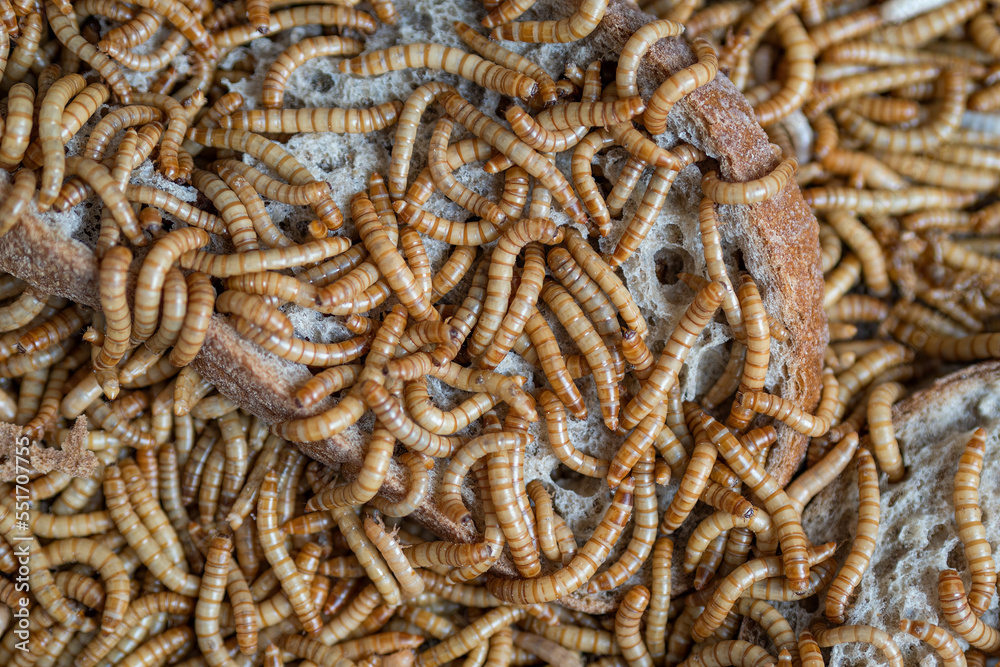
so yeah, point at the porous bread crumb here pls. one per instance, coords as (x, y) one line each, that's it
(917, 537)
(73, 459)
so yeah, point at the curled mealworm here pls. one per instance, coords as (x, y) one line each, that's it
(749, 192)
(50, 132)
(634, 50)
(880, 639)
(436, 56)
(507, 143)
(956, 610)
(943, 643)
(281, 70)
(580, 24)
(574, 574)
(682, 83)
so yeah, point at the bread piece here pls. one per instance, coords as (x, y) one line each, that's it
(777, 241)
(918, 537)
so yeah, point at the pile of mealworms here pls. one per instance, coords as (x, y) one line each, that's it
(204, 538)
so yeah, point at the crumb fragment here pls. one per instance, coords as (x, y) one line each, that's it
(73, 459)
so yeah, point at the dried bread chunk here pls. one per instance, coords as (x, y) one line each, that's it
(776, 241)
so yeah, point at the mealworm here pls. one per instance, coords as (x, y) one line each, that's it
(436, 56)
(717, 269)
(719, 524)
(970, 528)
(560, 442)
(634, 50)
(960, 616)
(880, 81)
(292, 582)
(201, 303)
(794, 416)
(50, 133)
(724, 597)
(859, 308)
(627, 627)
(581, 23)
(822, 473)
(350, 121)
(776, 502)
(107, 564)
(468, 637)
(664, 375)
(882, 433)
(919, 139)
(444, 179)
(938, 638)
(389, 260)
(17, 133)
(625, 185)
(583, 178)
(210, 596)
(540, 138)
(691, 485)
(749, 192)
(460, 464)
(688, 80)
(866, 634)
(67, 32)
(23, 54)
(512, 522)
(652, 202)
(165, 252)
(423, 411)
(409, 583)
(591, 345)
(864, 541)
(508, 59)
(643, 535)
(507, 143)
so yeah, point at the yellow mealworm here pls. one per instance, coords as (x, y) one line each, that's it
(583, 565)
(719, 524)
(50, 133)
(500, 273)
(643, 535)
(259, 15)
(201, 302)
(651, 204)
(17, 200)
(794, 416)
(437, 56)
(625, 185)
(591, 114)
(510, 60)
(638, 444)
(444, 179)
(689, 79)
(425, 413)
(668, 366)
(818, 476)
(366, 485)
(520, 153)
(968, 517)
(67, 32)
(469, 637)
(731, 652)
(255, 261)
(544, 520)
(956, 610)
(716, 267)
(583, 178)
(581, 23)
(864, 540)
(389, 260)
(800, 54)
(512, 522)
(409, 583)
(841, 279)
(274, 551)
(462, 461)
(881, 428)
(922, 138)
(406, 128)
(591, 345)
(297, 195)
(541, 138)
(858, 308)
(234, 214)
(627, 627)
(659, 600)
(559, 440)
(749, 192)
(867, 634)
(16, 134)
(776, 502)
(634, 50)
(210, 594)
(107, 564)
(724, 597)
(938, 638)
(351, 121)
(165, 252)
(691, 485)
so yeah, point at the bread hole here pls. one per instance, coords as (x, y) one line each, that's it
(956, 557)
(581, 485)
(670, 262)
